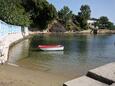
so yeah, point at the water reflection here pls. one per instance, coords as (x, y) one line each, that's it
(53, 52)
(81, 53)
(19, 51)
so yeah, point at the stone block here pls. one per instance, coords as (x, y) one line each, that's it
(105, 74)
(113, 84)
(84, 81)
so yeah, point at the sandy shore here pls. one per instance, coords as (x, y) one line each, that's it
(18, 76)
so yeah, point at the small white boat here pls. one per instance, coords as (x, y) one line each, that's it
(51, 47)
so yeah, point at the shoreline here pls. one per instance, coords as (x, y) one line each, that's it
(14, 75)
(19, 76)
(100, 31)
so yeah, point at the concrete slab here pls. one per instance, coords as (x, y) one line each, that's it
(105, 74)
(84, 81)
(113, 84)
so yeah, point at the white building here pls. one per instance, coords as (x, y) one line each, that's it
(91, 23)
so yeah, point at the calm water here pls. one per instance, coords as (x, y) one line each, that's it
(81, 53)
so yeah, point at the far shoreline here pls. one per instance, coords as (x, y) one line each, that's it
(100, 31)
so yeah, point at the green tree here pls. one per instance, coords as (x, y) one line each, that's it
(46, 15)
(75, 20)
(104, 23)
(65, 13)
(85, 12)
(41, 12)
(83, 16)
(12, 12)
(65, 16)
(110, 25)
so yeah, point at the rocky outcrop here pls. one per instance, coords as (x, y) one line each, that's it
(56, 27)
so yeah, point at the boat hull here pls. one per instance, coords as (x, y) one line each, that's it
(51, 47)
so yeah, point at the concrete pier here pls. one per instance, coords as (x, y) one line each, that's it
(113, 84)
(84, 81)
(105, 74)
(101, 76)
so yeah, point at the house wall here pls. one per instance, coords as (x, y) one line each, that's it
(91, 24)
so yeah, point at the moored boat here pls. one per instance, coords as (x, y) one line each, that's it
(51, 47)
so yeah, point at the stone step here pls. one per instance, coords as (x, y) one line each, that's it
(84, 81)
(105, 74)
(113, 84)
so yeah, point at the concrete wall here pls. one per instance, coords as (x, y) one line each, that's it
(9, 34)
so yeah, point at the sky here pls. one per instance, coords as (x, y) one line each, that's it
(98, 7)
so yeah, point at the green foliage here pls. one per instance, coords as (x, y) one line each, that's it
(72, 27)
(85, 12)
(104, 23)
(41, 12)
(65, 15)
(75, 20)
(83, 16)
(37, 13)
(111, 25)
(12, 12)
(46, 16)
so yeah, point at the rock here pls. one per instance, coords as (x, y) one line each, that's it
(57, 27)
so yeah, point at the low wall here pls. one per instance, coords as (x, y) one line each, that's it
(6, 43)
(9, 34)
